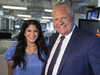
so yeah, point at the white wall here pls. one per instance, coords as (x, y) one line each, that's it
(98, 3)
(3, 66)
(79, 16)
(51, 26)
(5, 44)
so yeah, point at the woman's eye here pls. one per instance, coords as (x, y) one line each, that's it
(29, 30)
(36, 31)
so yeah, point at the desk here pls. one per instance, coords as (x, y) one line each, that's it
(5, 44)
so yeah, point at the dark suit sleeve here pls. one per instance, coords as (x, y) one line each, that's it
(94, 55)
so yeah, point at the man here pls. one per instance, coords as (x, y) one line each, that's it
(80, 50)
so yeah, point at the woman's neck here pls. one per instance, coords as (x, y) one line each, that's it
(31, 49)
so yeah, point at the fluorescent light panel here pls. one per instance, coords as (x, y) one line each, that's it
(15, 7)
(47, 10)
(47, 17)
(63, 0)
(58, 1)
(24, 15)
(44, 20)
(25, 19)
(28, 18)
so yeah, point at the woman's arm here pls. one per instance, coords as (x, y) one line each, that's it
(10, 69)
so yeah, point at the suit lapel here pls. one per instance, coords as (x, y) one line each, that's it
(52, 41)
(69, 48)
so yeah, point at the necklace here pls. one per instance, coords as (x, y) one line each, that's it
(31, 54)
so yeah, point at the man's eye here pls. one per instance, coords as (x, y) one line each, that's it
(55, 19)
(65, 17)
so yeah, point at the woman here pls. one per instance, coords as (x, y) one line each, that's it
(28, 56)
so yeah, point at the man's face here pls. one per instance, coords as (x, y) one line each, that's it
(63, 20)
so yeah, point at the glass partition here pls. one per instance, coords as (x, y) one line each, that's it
(3, 23)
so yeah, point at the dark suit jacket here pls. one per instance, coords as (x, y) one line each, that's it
(82, 55)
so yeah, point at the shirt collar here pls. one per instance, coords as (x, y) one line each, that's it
(69, 35)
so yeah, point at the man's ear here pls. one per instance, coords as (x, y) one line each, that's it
(73, 15)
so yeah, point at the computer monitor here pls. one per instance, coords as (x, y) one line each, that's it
(93, 14)
(89, 25)
(5, 35)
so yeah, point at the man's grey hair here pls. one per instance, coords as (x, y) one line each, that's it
(63, 5)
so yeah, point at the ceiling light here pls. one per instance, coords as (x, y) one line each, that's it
(10, 17)
(47, 17)
(47, 10)
(24, 15)
(28, 18)
(58, 1)
(44, 20)
(25, 19)
(15, 7)
(63, 0)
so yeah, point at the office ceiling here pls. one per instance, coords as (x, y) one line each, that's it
(35, 7)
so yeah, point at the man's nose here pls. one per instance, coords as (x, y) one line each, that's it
(61, 22)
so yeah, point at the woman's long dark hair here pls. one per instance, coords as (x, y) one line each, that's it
(22, 43)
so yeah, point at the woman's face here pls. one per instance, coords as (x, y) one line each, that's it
(31, 33)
